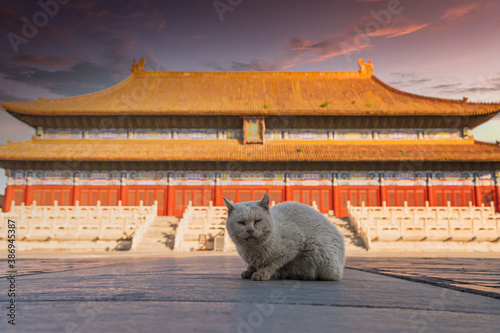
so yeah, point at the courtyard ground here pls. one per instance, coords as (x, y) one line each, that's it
(202, 292)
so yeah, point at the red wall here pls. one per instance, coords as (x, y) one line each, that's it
(322, 195)
(172, 200)
(133, 195)
(397, 195)
(370, 195)
(456, 195)
(179, 197)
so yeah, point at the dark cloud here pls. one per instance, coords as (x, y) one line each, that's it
(7, 97)
(254, 65)
(405, 75)
(446, 87)
(54, 61)
(409, 82)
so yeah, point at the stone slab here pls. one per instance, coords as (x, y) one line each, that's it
(204, 293)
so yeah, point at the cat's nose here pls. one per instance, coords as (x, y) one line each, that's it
(250, 231)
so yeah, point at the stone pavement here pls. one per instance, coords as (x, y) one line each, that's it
(474, 275)
(203, 293)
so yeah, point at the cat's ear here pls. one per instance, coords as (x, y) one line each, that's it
(229, 205)
(265, 201)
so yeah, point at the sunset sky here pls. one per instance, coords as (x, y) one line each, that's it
(445, 48)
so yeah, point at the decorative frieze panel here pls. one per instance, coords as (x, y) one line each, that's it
(442, 134)
(151, 134)
(195, 134)
(254, 178)
(233, 134)
(16, 177)
(56, 177)
(446, 178)
(485, 178)
(153, 178)
(231, 178)
(99, 178)
(395, 134)
(62, 133)
(361, 134)
(312, 178)
(192, 178)
(254, 129)
(357, 178)
(409, 178)
(308, 134)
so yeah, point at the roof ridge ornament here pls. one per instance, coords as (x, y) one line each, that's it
(138, 67)
(365, 69)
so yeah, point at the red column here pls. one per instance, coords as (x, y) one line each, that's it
(77, 193)
(288, 188)
(497, 191)
(29, 195)
(218, 191)
(9, 196)
(383, 191)
(430, 193)
(477, 191)
(335, 196)
(123, 190)
(170, 196)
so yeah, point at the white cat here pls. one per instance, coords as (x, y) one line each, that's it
(290, 241)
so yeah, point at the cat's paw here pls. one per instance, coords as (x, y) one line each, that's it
(260, 276)
(246, 274)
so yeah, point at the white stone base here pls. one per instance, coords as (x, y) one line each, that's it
(429, 246)
(68, 246)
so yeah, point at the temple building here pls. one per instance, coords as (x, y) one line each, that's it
(327, 137)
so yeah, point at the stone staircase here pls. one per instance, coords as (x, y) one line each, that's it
(353, 244)
(160, 236)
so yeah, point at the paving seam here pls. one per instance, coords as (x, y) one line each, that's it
(436, 283)
(74, 269)
(274, 303)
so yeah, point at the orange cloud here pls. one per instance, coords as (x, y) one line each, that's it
(457, 12)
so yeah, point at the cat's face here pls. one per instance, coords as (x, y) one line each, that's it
(249, 222)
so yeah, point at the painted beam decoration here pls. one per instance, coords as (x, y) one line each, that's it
(252, 178)
(313, 178)
(192, 178)
(405, 178)
(146, 178)
(358, 178)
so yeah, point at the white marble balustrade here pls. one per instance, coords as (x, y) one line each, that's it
(465, 224)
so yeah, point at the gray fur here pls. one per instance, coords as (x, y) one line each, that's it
(291, 241)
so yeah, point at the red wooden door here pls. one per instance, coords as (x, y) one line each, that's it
(148, 195)
(47, 195)
(413, 195)
(107, 195)
(322, 195)
(179, 197)
(370, 195)
(456, 195)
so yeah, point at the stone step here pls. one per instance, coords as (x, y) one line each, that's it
(352, 242)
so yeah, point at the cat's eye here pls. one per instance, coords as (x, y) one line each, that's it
(257, 220)
(242, 222)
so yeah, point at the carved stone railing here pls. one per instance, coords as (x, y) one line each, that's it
(199, 227)
(426, 223)
(209, 222)
(78, 223)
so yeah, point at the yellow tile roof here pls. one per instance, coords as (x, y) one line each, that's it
(251, 93)
(233, 150)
